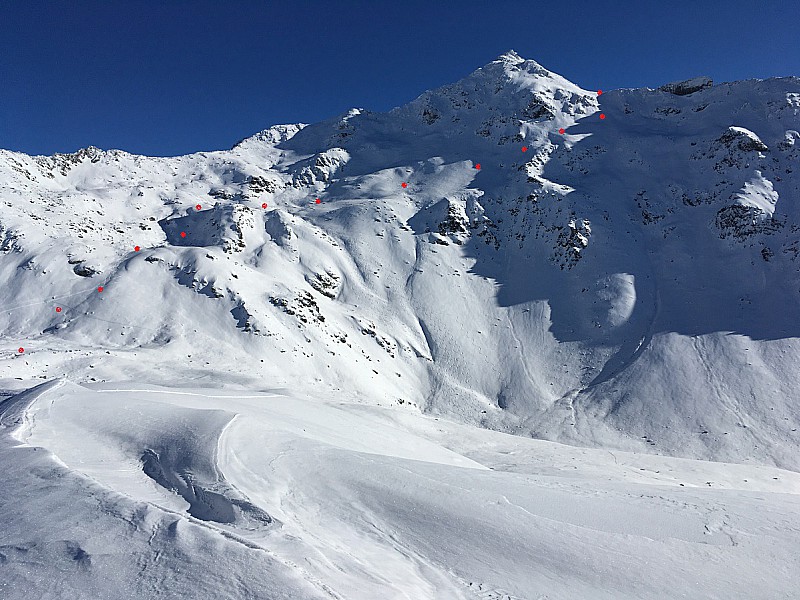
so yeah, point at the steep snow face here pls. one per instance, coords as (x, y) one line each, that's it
(631, 282)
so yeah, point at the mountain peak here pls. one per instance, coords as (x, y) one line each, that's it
(512, 71)
(272, 135)
(510, 57)
(498, 96)
(511, 63)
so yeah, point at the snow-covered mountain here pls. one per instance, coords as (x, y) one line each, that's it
(614, 270)
(631, 282)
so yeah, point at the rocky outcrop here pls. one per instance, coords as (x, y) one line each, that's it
(688, 86)
(225, 225)
(319, 168)
(326, 283)
(571, 240)
(743, 139)
(262, 185)
(63, 163)
(741, 222)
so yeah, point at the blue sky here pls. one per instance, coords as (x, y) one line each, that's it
(169, 77)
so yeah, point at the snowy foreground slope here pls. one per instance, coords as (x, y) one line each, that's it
(137, 491)
(332, 328)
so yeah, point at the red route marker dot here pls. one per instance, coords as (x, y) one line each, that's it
(602, 116)
(183, 234)
(524, 148)
(58, 309)
(136, 248)
(478, 166)
(404, 184)
(561, 131)
(264, 205)
(198, 207)
(100, 289)
(317, 200)
(20, 350)
(599, 92)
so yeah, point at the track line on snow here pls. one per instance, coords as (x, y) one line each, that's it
(521, 350)
(13, 308)
(191, 393)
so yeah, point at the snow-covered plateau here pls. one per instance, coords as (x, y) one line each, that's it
(514, 340)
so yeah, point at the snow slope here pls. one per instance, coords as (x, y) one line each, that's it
(332, 328)
(276, 496)
(630, 283)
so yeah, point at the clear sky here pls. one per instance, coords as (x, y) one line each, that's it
(165, 77)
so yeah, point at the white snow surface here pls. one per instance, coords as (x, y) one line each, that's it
(136, 491)
(279, 398)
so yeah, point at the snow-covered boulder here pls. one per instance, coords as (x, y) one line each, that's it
(744, 139)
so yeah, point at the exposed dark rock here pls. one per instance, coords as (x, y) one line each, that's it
(430, 115)
(326, 284)
(688, 86)
(742, 139)
(740, 222)
(261, 185)
(571, 240)
(84, 270)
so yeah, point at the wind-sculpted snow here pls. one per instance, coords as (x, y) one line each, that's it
(81, 531)
(137, 491)
(631, 283)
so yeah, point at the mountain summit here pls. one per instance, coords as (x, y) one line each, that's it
(288, 370)
(510, 250)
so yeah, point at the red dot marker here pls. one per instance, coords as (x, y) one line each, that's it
(100, 289)
(404, 184)
(183, 234)
(561, 131)
(21, 350)
(524, 148)
(58, 309)
(198, 207)
(317, 200)
(264, 205)
(602, 116)
(599, 92)
(478, 166)
(136, 248)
